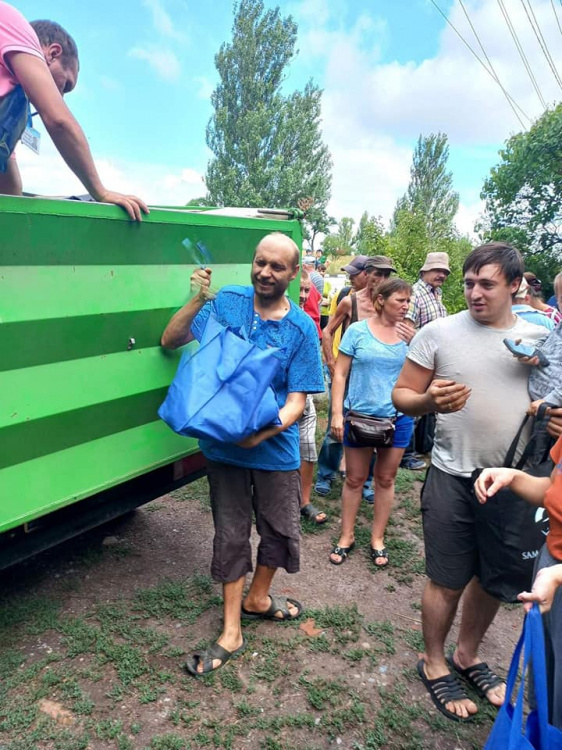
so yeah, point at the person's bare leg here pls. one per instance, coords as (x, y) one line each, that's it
(231, 636)
(357, 462)
(439, 606)
(307, 474)
(257, 599)
(386, 466)
(478, 612)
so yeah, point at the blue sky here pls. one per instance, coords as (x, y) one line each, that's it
(391, 69)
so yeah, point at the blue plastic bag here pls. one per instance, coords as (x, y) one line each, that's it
(223, 390)
(509, 732)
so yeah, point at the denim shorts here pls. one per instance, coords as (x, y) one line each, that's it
(404, 426)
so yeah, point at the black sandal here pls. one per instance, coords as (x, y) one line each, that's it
(278, 604)
(379, 553)
(480, 677)
(343, 552)
(311, 513)
(208, 656)
(442, 690)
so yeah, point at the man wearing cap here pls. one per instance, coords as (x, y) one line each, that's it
(368, 272)
(359, 305)
(426, 305)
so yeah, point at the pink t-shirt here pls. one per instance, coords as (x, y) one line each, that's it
(16, 35)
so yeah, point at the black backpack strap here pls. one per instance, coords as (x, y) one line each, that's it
(510, 455)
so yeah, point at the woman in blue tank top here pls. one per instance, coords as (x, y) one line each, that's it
(370, 358)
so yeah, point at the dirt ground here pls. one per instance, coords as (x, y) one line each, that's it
(93, 636)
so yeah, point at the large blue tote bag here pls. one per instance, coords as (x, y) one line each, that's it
(510, 732)
(223, 390)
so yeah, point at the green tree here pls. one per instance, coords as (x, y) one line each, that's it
(268, 148)
(370, 238)
(341, 242)
(204, 201)
(430, 192)
(523, 194)
(316, 222)
(408, 245)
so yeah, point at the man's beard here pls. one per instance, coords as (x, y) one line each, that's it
(271, 292)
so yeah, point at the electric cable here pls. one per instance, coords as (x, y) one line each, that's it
(521, 53)
(488, 60)
(556, 15)
(507, 95)
(541, 40)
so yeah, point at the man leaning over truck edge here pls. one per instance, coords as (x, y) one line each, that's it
(262, 473)
(39, 65)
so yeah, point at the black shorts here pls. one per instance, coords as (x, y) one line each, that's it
(274, 497)
(452, 547)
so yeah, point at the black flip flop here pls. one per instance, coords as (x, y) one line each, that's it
(480, 677)
(442, 690)
(278, 604)
(206, 657)
(311, 512)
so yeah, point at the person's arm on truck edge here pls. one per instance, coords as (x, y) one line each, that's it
(67, 135)
(178, 331)
(343, 311)
(417, 393)
(10, 181)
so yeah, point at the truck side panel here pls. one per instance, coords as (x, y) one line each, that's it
(79, 283)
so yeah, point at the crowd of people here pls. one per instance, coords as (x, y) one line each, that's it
(393, 355)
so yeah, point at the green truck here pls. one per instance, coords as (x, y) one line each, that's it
(84, 297)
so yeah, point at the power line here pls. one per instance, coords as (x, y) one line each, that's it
(556, 14)
(495, 75)
(521, 53)
(541, 40)
(507, 95)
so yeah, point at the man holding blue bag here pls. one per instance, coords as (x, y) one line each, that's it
(259, 474)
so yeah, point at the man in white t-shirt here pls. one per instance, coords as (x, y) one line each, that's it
(39, 65)
(459, 367)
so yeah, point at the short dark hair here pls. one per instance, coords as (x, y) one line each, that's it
(507, 257)
(49, 32)
(387, 288)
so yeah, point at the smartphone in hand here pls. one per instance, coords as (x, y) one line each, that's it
(524, 350)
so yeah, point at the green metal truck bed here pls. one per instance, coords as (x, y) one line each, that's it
(78, 283)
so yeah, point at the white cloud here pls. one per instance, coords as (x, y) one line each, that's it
(157, 184)
(163, 61)
(162, 20)
(373, 111)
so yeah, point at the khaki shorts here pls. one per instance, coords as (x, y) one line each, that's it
(274, 497)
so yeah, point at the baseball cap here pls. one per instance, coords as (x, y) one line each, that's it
(356, 265)
(309, 260)
(380, 262)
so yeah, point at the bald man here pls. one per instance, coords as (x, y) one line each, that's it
(262, 473)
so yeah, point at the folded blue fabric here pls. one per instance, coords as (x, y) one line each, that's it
(223, 390)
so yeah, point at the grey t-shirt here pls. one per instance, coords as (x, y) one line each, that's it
(458, 348)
